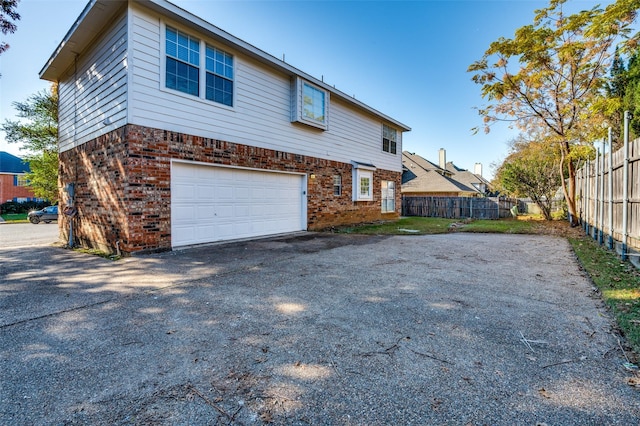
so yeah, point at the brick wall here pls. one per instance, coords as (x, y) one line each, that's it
(123, 185)
(9, 191)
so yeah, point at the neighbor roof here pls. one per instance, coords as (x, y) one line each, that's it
(421, 175)
(98, 13)
(9, 163)
(465, 176)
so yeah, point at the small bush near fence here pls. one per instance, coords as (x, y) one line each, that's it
(12, 207)
(458, 207)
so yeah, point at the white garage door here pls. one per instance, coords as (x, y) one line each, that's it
(210, 203)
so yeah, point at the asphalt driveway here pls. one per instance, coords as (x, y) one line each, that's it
(313, 329)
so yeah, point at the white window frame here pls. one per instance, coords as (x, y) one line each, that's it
(297, 104)
(391, 135)
(388, 194)
(188, 62)
(337, 185)
(214, 71)
(362, 172)
(21, 180)
(202, 69)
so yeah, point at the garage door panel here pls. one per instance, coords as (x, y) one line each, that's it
(183, 191)
(210, 203)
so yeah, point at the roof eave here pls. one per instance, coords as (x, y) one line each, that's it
(82, 32)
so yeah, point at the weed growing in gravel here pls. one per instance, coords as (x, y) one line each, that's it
(99, 253)
(619, 283)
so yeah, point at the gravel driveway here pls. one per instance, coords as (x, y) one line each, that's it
(460, 329)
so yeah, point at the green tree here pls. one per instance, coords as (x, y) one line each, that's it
(623, 92)
(631, 95)
(39, 137)
(8, 15)
(616, 90)
(530, 171)
(551, 75)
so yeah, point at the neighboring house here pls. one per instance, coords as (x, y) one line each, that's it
(422, 178)
(471, 180)
(174, 132)
(13, 181)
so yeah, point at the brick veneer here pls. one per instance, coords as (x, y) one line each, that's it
(123, 185)
(9, 191)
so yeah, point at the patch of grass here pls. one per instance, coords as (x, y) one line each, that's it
(15, 217)
(99, 253)
(433, 225)
(619, 283)
(404, 226)
(502, 226)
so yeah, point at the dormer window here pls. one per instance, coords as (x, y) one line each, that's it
(310, 104)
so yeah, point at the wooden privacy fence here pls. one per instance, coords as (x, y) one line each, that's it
(457, 207)
(608, 191)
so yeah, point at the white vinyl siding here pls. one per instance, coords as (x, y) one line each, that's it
(93, 97)
(262, 106)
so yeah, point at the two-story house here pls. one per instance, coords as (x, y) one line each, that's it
(173, 132)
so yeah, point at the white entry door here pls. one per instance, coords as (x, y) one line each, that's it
(213, 203)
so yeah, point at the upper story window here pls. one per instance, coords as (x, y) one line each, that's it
(310, 104)
(219, 66)
(183, 62)
(184, 73)
(20, 180)
(389, 139)
(313, 104)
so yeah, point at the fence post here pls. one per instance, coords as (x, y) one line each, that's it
(610, 239)
(625, 188)
(601, 228)
(587, 195)
(596, 191)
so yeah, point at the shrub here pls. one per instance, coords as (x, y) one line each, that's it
(11, 207)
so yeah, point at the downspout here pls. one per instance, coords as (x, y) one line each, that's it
(71, 185)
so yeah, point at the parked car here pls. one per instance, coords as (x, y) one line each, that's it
(45, 215)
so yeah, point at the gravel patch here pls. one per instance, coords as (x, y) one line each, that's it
(312, 329)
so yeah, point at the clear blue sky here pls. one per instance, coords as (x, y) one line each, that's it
(407, 59)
